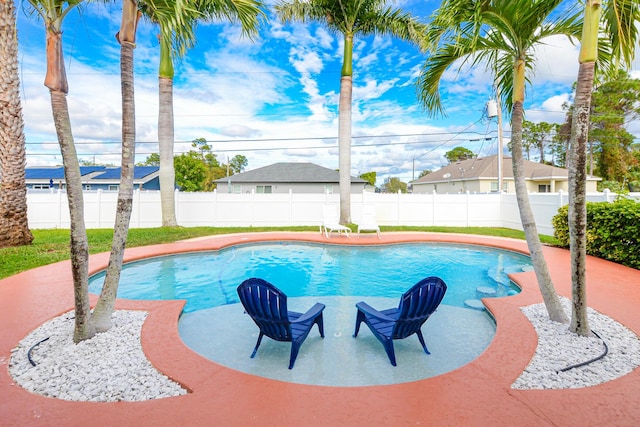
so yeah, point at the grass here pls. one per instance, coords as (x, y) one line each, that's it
(51, 246)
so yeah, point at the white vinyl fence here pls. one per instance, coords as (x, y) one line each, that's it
(48, 209)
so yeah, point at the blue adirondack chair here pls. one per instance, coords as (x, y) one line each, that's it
(267, 306)
(416, 305)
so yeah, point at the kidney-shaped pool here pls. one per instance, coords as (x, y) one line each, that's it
(214, 325)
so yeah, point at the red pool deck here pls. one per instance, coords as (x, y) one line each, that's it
(477, 394)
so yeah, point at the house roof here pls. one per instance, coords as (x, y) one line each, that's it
(290, 172)
(93, 173)
(487, 168)
(139, 172)
(57, 172)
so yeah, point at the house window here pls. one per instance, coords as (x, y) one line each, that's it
(114, 187)
(40, 186)
(328, 189)
(237, 188)
(544, 188)
(263, 189)
(494, 187)
(87, 187)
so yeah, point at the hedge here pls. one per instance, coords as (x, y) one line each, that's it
(613, 230)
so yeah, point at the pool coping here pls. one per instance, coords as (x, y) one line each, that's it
(478, 393)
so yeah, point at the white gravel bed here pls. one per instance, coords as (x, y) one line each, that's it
(112, 366)
(109, 367)
(558, 348)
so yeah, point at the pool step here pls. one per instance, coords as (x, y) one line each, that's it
(475, 304)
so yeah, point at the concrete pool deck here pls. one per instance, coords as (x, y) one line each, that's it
(477, 394)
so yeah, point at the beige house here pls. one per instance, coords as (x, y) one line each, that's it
(480, 175)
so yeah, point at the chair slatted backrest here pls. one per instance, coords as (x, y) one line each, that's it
(267, 306)
(417, 304)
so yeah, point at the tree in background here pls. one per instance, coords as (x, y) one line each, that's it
(614, 104)
(459, 153)
(425, 173)
(370, 177)
(536, 135)
(502, 35)
(393, 185)
(351, 18)
(237, 164)
(14, 225)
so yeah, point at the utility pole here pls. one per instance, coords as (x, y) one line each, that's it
(500, 140)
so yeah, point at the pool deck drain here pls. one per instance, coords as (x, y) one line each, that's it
(476, 394)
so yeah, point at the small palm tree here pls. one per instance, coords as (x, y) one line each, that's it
(501, 34)
(619, 24)
(52, 14)
(351, 18)
(14, 225)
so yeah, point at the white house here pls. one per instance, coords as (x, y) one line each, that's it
(480, 175)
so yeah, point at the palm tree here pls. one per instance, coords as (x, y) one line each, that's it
(127, 38)
(621, 22)
(177, 21)
(171, 16)
(501, 34)
(351, 18)
(53, 13)
(14, 226)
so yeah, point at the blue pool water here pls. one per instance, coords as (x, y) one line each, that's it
(209, 279)
(214, 325)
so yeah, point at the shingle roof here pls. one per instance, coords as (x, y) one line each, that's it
(290, 172)
(487, 168)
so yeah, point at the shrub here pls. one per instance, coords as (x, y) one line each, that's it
(613, 230)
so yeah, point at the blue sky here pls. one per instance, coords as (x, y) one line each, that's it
(274, 99)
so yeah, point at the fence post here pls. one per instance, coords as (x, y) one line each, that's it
(215, 207)
(467, 199)
(99, 203)
(60, 209)
(290, 207)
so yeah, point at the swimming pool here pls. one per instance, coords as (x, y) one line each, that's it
(213, 323)
(209, 279)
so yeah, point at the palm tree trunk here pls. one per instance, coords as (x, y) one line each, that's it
(79, 247)
(344, 146)
(106, 303)
(14, 225)
(344, 131)
(549, 295)
(165, 147)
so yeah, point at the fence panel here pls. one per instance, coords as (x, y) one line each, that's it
(48, 209)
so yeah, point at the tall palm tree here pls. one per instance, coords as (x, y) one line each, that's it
(501, 34)
(177, 21)
(351, 18)
(14, 225)
(53, 12)
(127, 39)
(172, 16)
(620, 23)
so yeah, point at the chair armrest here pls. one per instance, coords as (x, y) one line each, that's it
(312, 313)
(370, 311)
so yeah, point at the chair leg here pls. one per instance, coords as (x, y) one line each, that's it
(295, 347)
(359, 320)
(320, 322)
(421, 338)
(257, 344)
(388, 347)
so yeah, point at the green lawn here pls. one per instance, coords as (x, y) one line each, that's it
(53, 245)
